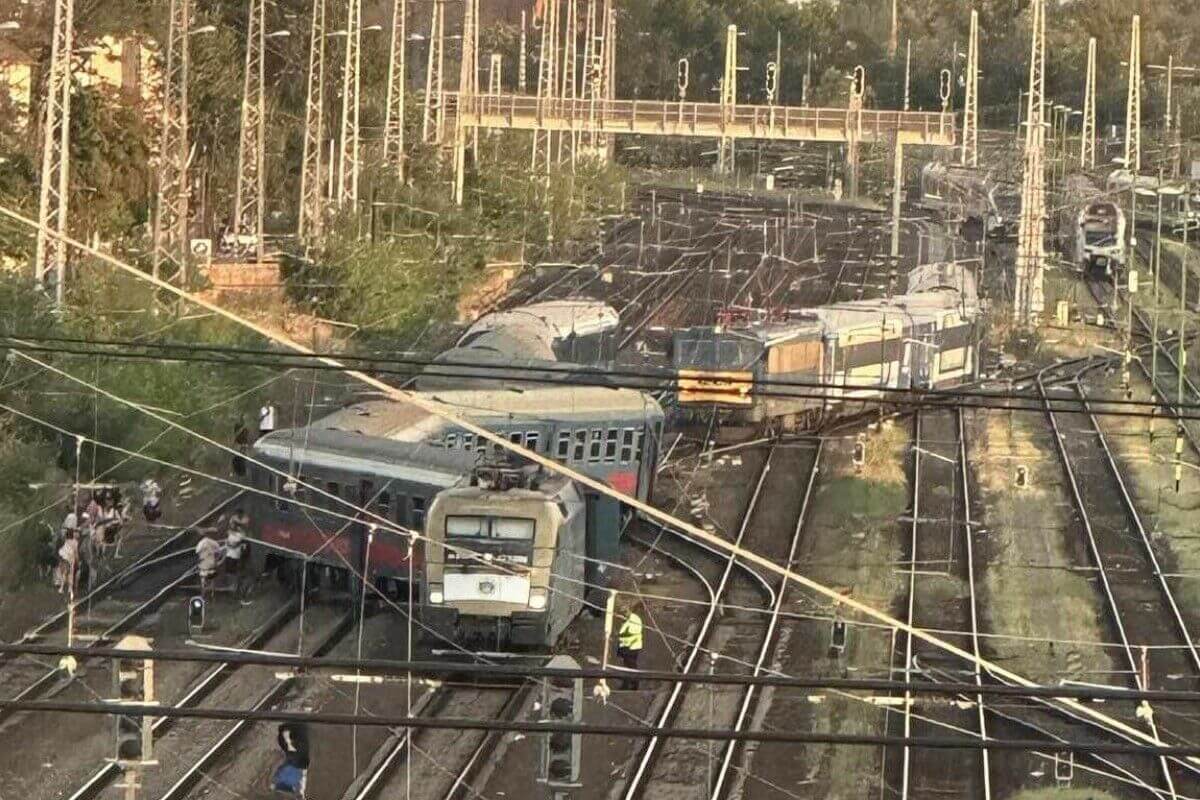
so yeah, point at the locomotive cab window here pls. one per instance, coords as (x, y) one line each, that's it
(477, 527)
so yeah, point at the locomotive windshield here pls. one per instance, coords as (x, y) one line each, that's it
(699, 352)
(1099, 238)
(508, 528)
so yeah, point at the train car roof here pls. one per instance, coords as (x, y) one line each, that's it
(349, 451)
(400, 421)
(952, 275)
(919, 308)
(557, 318)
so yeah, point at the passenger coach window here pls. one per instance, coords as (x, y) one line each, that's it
(610, 446)
(532, 440)
(468, 442)
(516, 437)
(451, 441)
(564, 445)
(596, 444)
(418, 513)
(580, 445)
(333, 489)
(385, 505)
(627, 446)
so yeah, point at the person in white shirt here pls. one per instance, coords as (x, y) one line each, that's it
(68, 563)
(208, 553)
(236, 549)
(266, 419)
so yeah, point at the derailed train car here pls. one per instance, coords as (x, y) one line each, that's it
(972, 195)
(802, 368)
(533, 344)
(1091, 227)
(1180, 207)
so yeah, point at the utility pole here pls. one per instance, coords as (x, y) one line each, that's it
(970, 144)
(50, 258)
(171, 202)
(312, 203)
(431, 126)
(1087, 143)
(468, 88)
(858, 90)
(1028, 298)
(725, 148)
(393, 127)
(248, 211)
(348, 159)
(1133, 103)
(907, 72)
(894, 38)
(495, 73)
(547, 85)
(523, 58)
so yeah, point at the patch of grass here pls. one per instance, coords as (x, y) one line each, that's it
(1028, 551)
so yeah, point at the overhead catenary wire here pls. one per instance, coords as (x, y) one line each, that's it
(588, 729)
(917, 398)
(439, 409)
(657, 379)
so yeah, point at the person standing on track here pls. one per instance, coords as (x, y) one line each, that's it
(207, 554)
(236, 550)
(292, 775)
(629, 644)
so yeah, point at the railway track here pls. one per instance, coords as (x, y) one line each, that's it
(110, 610)
(745, 639)
(187, 758)
(940, 595)
(1138, 602)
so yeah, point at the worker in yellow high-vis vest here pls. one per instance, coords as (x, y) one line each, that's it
(629, 643)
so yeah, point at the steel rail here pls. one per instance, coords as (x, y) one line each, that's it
(1101, 569)
(159, 552)
(200, 689)
(636, 782)
(769, 638)
(48, 683)
(1148, 549)
(969, 555)
(461, 785)
(184, 783)
(906, 759)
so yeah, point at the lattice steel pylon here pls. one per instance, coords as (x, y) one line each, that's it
(50, 256)
(1028, 296)
(348, 159)
(468, 88)
(1087, 138)
(433, 121)
(312, 201)
(171, 200)
(567, 140)
(725, 151)
(970, 143)
(547, 85)
(248, 203)
(393, 125)
(1133, 102)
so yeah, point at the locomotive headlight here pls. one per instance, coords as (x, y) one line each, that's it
(435, 594)
(537, 599)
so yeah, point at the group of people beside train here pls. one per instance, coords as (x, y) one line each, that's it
(92, 529)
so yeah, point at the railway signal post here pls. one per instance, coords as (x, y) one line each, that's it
(559, 759)
(133, 684)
